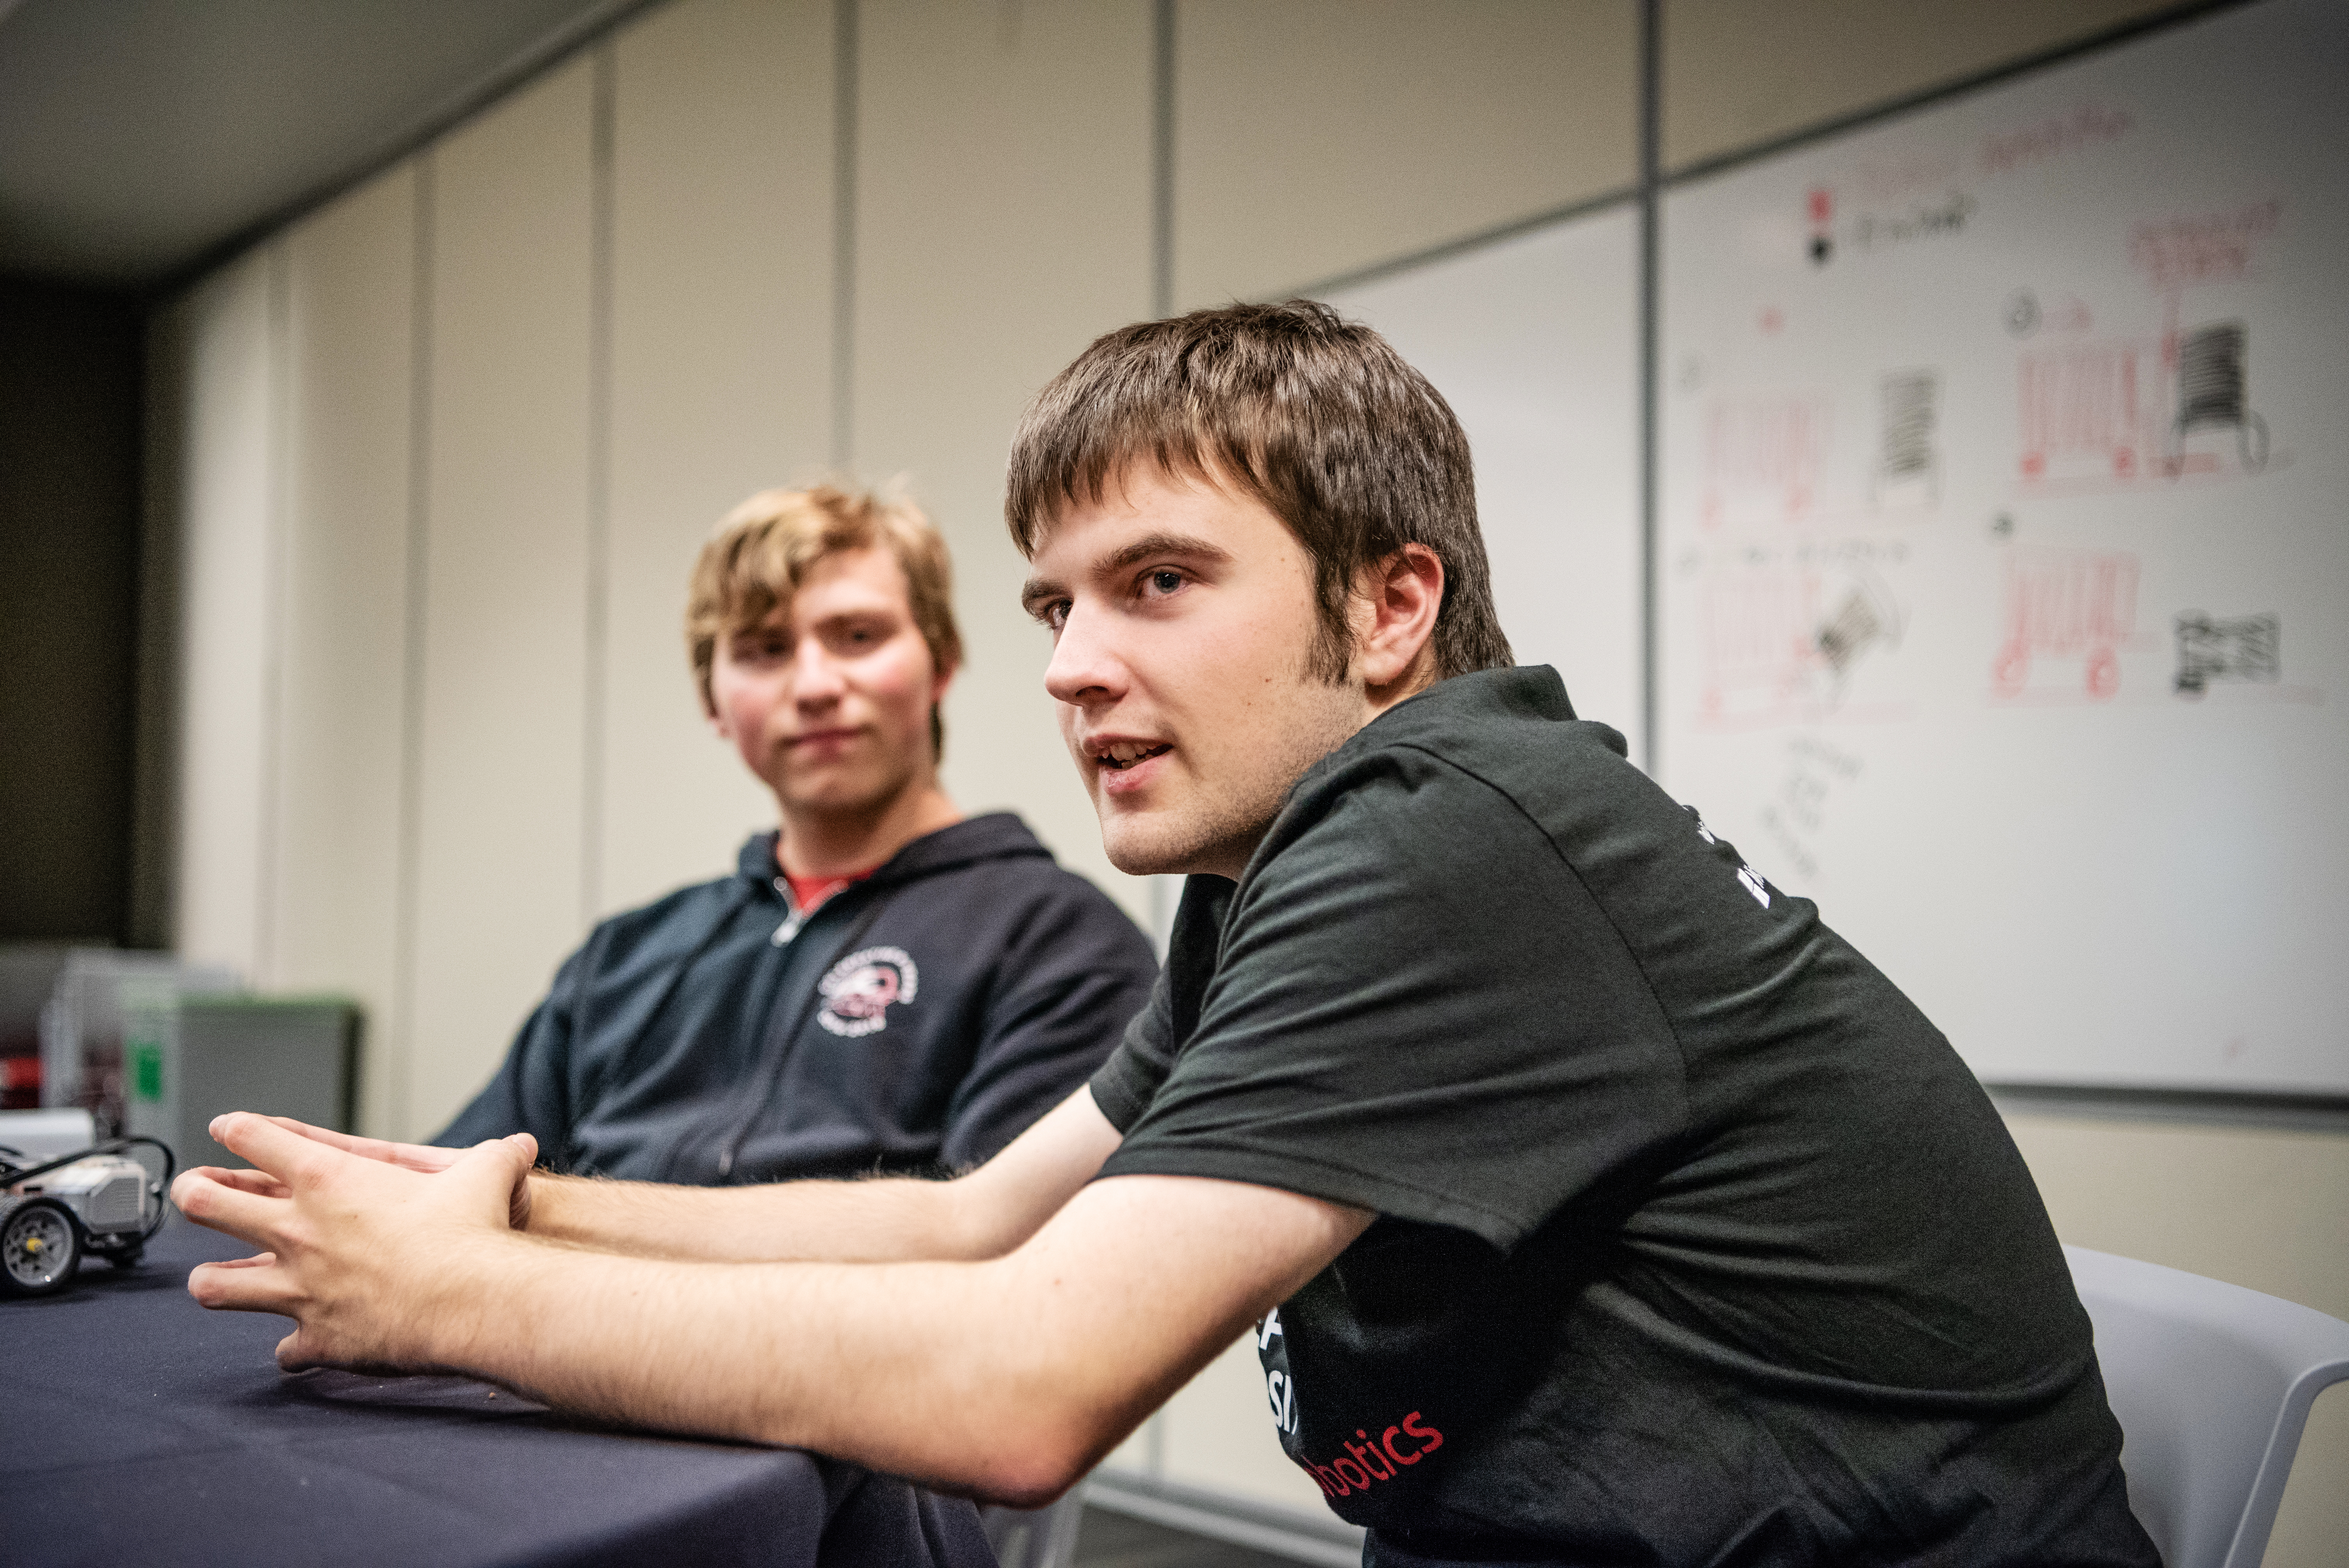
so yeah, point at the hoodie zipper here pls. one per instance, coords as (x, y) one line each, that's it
(732, 1148)
(793, 921)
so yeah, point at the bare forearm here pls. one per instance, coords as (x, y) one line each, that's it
(882, 1364)
(1005, 1378)
(984, 1215)
(841, 1221)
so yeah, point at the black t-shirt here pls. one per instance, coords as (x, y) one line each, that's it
(1696, 1242)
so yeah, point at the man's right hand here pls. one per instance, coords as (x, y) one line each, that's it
(359, 1253)
(425, 1157)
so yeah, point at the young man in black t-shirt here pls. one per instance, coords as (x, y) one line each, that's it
(1593, 1202)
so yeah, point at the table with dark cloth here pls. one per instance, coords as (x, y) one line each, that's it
(139, 1428)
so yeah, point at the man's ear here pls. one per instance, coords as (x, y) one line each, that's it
(1394, 608)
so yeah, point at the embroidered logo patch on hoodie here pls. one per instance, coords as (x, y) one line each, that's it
(858, 990)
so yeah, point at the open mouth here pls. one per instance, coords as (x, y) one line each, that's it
(1124, 754)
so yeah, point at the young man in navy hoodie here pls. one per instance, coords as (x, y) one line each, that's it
(1593, 1202)
(883, 985)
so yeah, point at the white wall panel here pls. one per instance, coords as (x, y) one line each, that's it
(498, 896)
(721, 383)
(1533, 340)
(1003, 222)
(227, 543)
(1218, 1434)
(1317, 137)
(350, 291)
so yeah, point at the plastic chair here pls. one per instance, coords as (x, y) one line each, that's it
(1035, 1537)
(2211, 1385)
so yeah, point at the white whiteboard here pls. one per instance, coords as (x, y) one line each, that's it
(1534, 341)
(2044, 699)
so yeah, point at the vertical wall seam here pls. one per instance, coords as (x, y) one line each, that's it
(1652, 51)
(843, 233)
(399, 1036)
(602, 194)
(1162, 158)
(150, 915)
(276, 544)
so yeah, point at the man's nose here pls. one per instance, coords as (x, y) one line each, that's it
(1086, 668)
(816, 675)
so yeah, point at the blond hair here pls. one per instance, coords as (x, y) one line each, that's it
(765, 548)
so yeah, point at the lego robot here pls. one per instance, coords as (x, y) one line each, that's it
(95, 1201)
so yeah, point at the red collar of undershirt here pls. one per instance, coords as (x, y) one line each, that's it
(808, 893)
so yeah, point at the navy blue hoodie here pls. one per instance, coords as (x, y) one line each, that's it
(918, 1020)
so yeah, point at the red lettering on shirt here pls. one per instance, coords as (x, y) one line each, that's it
(1358, 1470)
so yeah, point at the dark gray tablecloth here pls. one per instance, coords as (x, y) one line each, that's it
(138, 1428)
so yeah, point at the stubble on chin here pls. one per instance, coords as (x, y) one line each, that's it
(1216, 836)
(1177, 843)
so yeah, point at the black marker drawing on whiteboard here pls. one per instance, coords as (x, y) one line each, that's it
(2245, 648)
(2212, 395)
(1784, 635)
(1798, 854)
(1908, 460)
(1798, 817)
(1945, 219)
(1866, 617)
(2023, 315)
(2065, 604)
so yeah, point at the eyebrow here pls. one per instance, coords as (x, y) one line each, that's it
(1150, 545)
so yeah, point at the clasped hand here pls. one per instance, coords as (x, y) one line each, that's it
(361, 1240)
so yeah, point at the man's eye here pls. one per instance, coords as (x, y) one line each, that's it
(1167, 582)
(1056, 614)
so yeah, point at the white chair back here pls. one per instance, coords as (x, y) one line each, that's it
(2211, 1385)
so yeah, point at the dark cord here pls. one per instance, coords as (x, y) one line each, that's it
(11, 1176)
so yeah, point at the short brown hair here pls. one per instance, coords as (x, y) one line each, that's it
(763, 549)
(1316, 417)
